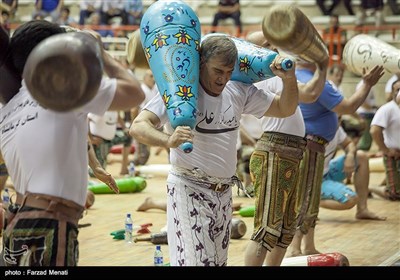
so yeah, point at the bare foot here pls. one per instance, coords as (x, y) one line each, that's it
(294, 253)
(311, 252)
(147, 204)
(236, 206)
(367, 215)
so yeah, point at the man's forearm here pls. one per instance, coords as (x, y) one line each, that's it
(309, 92)
(93, 161)
(289, 98)
(149, 135)
(380, 142)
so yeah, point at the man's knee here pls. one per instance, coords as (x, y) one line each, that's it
(350, 202)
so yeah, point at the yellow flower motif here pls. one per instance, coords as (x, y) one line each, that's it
(244, 64)
(166, 98)
(148, 54)
(183, 37)
(185, 92)
(160, 40)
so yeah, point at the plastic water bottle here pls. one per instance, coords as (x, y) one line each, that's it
(131, 169)
(128, 228)
(6, 198)
(158, 256)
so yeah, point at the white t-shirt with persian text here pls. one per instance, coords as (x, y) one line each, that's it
(46, 151)
(217, 127)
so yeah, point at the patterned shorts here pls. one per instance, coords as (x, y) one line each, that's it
(309, 188)
(35, 237)
(199, 223)
(274, 167)
(102, 150)
(392, 168)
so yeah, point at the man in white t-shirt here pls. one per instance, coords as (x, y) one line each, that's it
(46, 157)
(385, 130)
(278, 152)
(103, 126)
(199, 184)
(335, 194)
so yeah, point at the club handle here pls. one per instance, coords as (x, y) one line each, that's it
(187, 147)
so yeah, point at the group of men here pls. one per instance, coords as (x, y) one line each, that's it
(291, 150)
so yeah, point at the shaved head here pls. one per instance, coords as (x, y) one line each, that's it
(257, 38)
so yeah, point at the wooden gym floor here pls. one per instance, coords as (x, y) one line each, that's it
(363, 242)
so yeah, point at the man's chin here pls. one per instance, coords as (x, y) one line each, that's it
(213, 93)
(218, 90)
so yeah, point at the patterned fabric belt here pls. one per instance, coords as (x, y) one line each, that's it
(198, 176)
(219, 187)
(317, 139)
(284, 139)
(52, 204)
